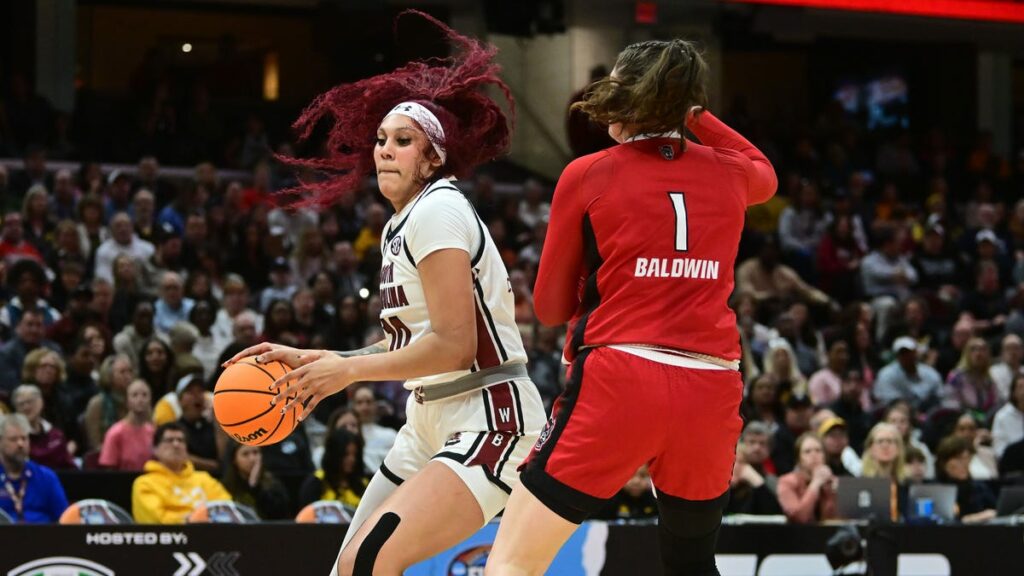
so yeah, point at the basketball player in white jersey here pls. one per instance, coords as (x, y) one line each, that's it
(448, 316)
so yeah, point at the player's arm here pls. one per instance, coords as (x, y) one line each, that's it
(556, 292)
(761, 179)
(451, 343)
(375, 348)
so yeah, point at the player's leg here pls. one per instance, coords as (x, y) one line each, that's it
(692, 474)
(429, 513)
(579, 461)
(530, 527)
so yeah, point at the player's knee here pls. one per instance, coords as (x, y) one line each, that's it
(688, 534)
(363, 557)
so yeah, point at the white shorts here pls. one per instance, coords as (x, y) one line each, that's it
(483, 436)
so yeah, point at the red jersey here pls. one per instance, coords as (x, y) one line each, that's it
(642, 242)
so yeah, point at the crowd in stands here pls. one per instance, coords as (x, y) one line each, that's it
(879, 297)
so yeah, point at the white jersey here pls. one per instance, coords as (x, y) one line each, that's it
(439, 218)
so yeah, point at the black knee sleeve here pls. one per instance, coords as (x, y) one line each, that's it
(370, 547)
(688, 533)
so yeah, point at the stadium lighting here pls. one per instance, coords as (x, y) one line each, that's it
(186, 47)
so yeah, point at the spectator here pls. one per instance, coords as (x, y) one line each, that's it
(916, 466)
(781, 363)
(92, 229)
(801, 227)
(348, 330)
(64, 331)
(236, 301)
(1008, 425)
(905, 378)
(952, 350)
(130, 339)
(45, 368)
(169, 407)
(182, 338)
(281, 285)
(172, 306)
(123, 240)
(64, 202)
(900, 414)
(36, 220)
(850, 407)
(205, 446)
(761, 402)
(128, 445)
(838, 260)
(47, 444)
(969, 386)
(824, 385)
(207, 348)
(768, 280)
(28, 335)
(884, 454)
(752, 490)
(310, 254)
(108, 405)
(347, 277)
(128, 291)
(975, 501)
(887, 274)
(171, 488)
(796, 421)
(250, 484)
(279, 325)
(369, 236)
(634, 501)
(119, 193)
(81, 383)
(28, 281)
(940, 270)
(1010, 365)
(835, 440)
(533, 209)
(986, 303)
(984, 464)
(33, 493)
(341, 476)
(807, 494)
(379, 439)
(156, 366)
(13, 245)
(143, 214)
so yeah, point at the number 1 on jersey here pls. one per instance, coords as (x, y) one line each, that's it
(682, 236)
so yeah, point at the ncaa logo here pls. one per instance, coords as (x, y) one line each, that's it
(396, 245)
(470, 562)
(667, 152)
(61, 566)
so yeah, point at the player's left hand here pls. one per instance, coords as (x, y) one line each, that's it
(312, 382)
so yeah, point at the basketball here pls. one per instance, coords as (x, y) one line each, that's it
(241, 403)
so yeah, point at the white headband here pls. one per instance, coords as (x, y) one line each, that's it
(428, 121)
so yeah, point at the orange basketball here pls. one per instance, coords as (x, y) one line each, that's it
(241, 403)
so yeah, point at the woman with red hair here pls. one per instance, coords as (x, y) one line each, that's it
(447, 309)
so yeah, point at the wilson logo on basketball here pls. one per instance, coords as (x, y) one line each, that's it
(254, 436)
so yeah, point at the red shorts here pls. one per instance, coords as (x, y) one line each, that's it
(620, 411)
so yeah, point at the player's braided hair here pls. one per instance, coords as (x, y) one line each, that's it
(475, 127)
(656, 82)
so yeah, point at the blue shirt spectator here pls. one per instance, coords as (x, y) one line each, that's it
(907, 379)
(29, 492)
(171, 307)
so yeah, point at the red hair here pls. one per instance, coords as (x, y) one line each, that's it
(475, 127)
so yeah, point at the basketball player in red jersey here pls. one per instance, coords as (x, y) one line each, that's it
(639, 261)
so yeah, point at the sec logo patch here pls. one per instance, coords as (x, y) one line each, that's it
(396, 246)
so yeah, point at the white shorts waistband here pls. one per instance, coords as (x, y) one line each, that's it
(666, 358)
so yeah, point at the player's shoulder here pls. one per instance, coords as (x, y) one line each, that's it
(592, 165)
(442, 195)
